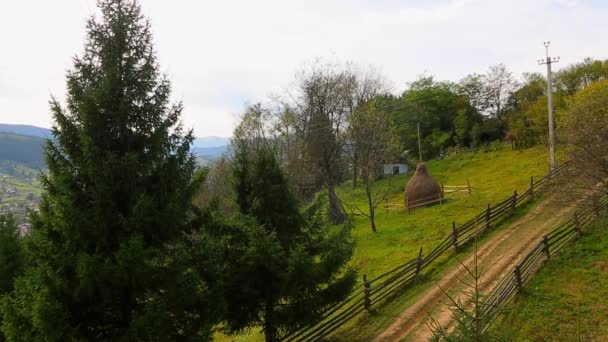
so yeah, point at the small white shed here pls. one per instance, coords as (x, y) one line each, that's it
(395, 169)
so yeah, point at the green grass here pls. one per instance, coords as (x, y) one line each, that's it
(371, 324)
(493, 175)
(568, 299)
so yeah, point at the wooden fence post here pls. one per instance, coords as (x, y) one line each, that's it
(531, 185)
(488, 213)
(454, 235)
(419, 263)
(577, 223)
(546, 247)
(366, 293)
(518, 277)
(469, 186)
(514, 200)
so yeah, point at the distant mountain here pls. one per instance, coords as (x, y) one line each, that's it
(24, 144)
(203, 142)
(23, 149)
(26, 130)
(210, 151)
(210, 141)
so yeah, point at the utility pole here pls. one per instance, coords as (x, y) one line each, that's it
(419, 145)
(548, 61)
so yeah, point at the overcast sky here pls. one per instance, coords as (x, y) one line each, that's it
(223, 54)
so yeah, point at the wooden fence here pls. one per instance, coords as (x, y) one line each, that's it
(423, 202)
(373, 292)
(448, 189)
(542, 252)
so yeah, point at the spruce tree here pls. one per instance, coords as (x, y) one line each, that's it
(11, 257)
(107, 257)
(11, 254)
(284, 265)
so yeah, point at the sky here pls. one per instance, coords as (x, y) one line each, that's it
(222, 55)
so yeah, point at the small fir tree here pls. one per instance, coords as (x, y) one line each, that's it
(284, 265)
(471, 316)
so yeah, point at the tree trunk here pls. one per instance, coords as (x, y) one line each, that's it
(370, 203)
(270, 331)
(336, 211)
(270, 334)
(355, 169)
(372, 221)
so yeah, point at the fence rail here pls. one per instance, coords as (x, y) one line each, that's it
(375, 291)
(543, 251)
(448, 189)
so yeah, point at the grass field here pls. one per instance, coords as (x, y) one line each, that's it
(568, 299)
(493, 174)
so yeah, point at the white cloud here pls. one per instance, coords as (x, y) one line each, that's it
(223, 54)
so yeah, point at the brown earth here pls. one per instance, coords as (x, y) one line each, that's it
(496, 256)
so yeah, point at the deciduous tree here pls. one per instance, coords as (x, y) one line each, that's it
(584, 130)
(372, 131)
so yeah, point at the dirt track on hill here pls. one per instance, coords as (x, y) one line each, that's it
(495, 256)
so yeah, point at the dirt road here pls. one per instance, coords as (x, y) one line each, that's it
(496, 256)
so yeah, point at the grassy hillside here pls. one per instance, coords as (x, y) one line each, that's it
(568, 299)
(493, 175)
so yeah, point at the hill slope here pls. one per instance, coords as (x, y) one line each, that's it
(26, 130)
(568, 299)
(22, 149)
(493, 174)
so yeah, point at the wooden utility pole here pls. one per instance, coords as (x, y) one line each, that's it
(419, 144)
(548, 61)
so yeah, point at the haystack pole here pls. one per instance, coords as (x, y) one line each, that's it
(422, 189)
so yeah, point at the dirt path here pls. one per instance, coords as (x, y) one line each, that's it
(496, 256)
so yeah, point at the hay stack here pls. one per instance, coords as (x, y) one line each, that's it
(421, 188)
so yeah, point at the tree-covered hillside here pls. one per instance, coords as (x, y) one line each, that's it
(22, 149)
(26, 130)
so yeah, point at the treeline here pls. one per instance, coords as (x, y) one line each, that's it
(342, 122)
(480, 108)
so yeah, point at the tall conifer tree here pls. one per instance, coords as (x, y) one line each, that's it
(284, 265)
(105, 258)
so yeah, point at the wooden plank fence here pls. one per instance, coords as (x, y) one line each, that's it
(448, 189)
(421, 202)
(552, 243)
(371, 293)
